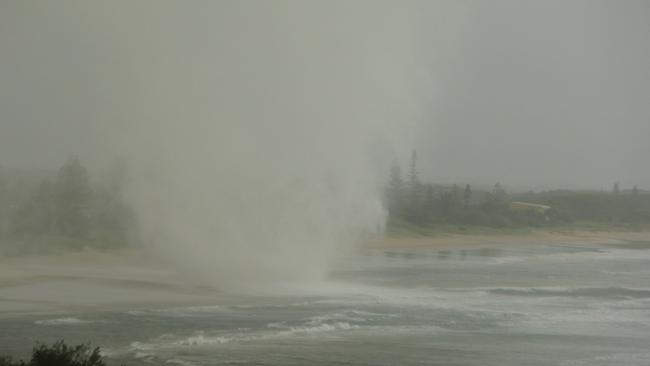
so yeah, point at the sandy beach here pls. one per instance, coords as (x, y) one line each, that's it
(91, 280)
(532, 238)
(428, 297)
(134, 278)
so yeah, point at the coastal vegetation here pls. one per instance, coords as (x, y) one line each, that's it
(425, 208)
(45, 212)
(60, 354)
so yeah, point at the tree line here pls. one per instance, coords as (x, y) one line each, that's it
(67, 205)
(411, 200)
(71, 208)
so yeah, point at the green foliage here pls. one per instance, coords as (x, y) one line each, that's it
(61, 211)
(421, 208)
(467, 195)
(395, 190)
(73, 195)
(6, 361)
(60, 354)
(572, 206)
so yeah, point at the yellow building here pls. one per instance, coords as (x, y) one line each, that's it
(526, 206)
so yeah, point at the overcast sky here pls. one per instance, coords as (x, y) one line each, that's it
(544, 93)
(528, 93)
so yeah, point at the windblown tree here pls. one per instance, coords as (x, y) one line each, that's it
(4, 204)
(467, 195)
(395, 190)
(430, 199)
(498, 193)
(446, 205)
(37, 215)
(413, 177)
(67, 211)
(73, 198)
(416, 211)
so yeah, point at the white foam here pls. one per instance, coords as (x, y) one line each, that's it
(176, 361)
(618, 359)
(62, 321)
(179, 311)
(144, 356)
(202, 338)
(348, 316)
(323, 327)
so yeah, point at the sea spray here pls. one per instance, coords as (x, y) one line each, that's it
(259, 133)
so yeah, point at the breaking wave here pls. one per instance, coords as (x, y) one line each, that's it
(62, 321)
(600, 292)
(147, 350)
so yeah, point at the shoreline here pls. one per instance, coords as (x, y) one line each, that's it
(534, 237)
(90, 280)
(134, 279)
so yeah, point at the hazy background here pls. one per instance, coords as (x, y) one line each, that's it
(254, 136)
(529, 93)
(249, 145)
(540, 93)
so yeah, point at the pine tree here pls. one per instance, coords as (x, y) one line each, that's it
(415, 207)
(395, 189)
(467, 195)
(413, 176)
(498, 193)
(73, 199)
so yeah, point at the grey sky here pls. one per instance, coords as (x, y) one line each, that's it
(529, 93)
(545, 93)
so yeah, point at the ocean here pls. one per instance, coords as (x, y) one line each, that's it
(544, 304)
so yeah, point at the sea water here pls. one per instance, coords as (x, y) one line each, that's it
(494, 305)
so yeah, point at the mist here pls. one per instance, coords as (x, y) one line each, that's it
(289, 182)
(257, 136)
(258, 130)
(538, 94)
(532, 94)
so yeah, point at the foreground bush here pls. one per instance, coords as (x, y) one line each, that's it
(60, 354)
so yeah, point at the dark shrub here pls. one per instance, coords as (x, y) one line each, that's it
(60, 354)
(6, 361)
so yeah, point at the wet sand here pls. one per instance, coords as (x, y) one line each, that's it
(451, 241)
(93, 280)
